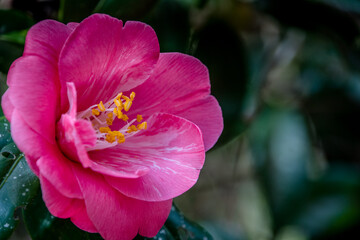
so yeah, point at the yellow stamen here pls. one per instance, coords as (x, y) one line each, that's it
(142, 126)
(101, 107)
(115, 111)
(110, 137)
(124, 117)
(131, 129)
(119, 96)
(127, 105)
(139, 118)
(109, 121)
(95, 112)
(118, 103)
(132, 96)
(126, 98)
(104, 129)
(121, 140)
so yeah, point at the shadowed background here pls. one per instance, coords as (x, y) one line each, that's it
(287, 76)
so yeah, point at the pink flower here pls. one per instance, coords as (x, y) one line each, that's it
(113, 129)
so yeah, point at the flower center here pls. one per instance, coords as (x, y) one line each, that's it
(102, 116)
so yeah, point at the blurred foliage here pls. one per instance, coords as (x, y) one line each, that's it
(287, 76)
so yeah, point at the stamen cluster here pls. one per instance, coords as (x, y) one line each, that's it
(103, 115)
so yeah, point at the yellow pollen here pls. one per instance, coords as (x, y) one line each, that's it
(139, 118)
(115, 111)
(104, 129)
(110, 110)
(124, 117)
(95, 112)
(142, 126)
(132, 96)
(121, 140)
(118, 103)
(110, 137)
(127, 105)
(125, 98)
(109, 121)
(131, 129)
(119, 96)
(101, 107)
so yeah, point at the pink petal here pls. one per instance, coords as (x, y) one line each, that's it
(57, 170)
(75, 136)
(116, 216)
(7, 106)
(173, 150)
(72, 25)
(180, 85)
(46, 39)
(34, 91)
(58, 204)
(44, 158)
(82, 220)
(64, 207)
(103, 58)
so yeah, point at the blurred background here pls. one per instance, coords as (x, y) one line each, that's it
(287, 76)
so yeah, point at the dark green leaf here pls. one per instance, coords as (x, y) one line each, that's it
(8, 53)
(76, 11)
(15, 37)
(170, 20)
(126, 9)
(163, 234)
(182, 228)
(17, 188)
(12, 20)
(222, 51)
(5, 135)
(44, 226)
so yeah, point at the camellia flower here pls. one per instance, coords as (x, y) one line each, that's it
(113, 129)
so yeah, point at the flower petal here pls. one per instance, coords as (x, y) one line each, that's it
(82, 220)
(180, 85)
(173, 150)
(38, 107)
(7, 106)
(102, 58)
(46, 39)
(58, 204)
(128, 216)
(44, 158)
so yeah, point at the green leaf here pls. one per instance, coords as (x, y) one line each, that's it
(219, 47)
(163, 234)
(8, 53)
(17, 188)
(182, 228)
(170, 20)
(75, 11)
(42, 225)
(12, 20)
(126, 9)
(15, 37)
